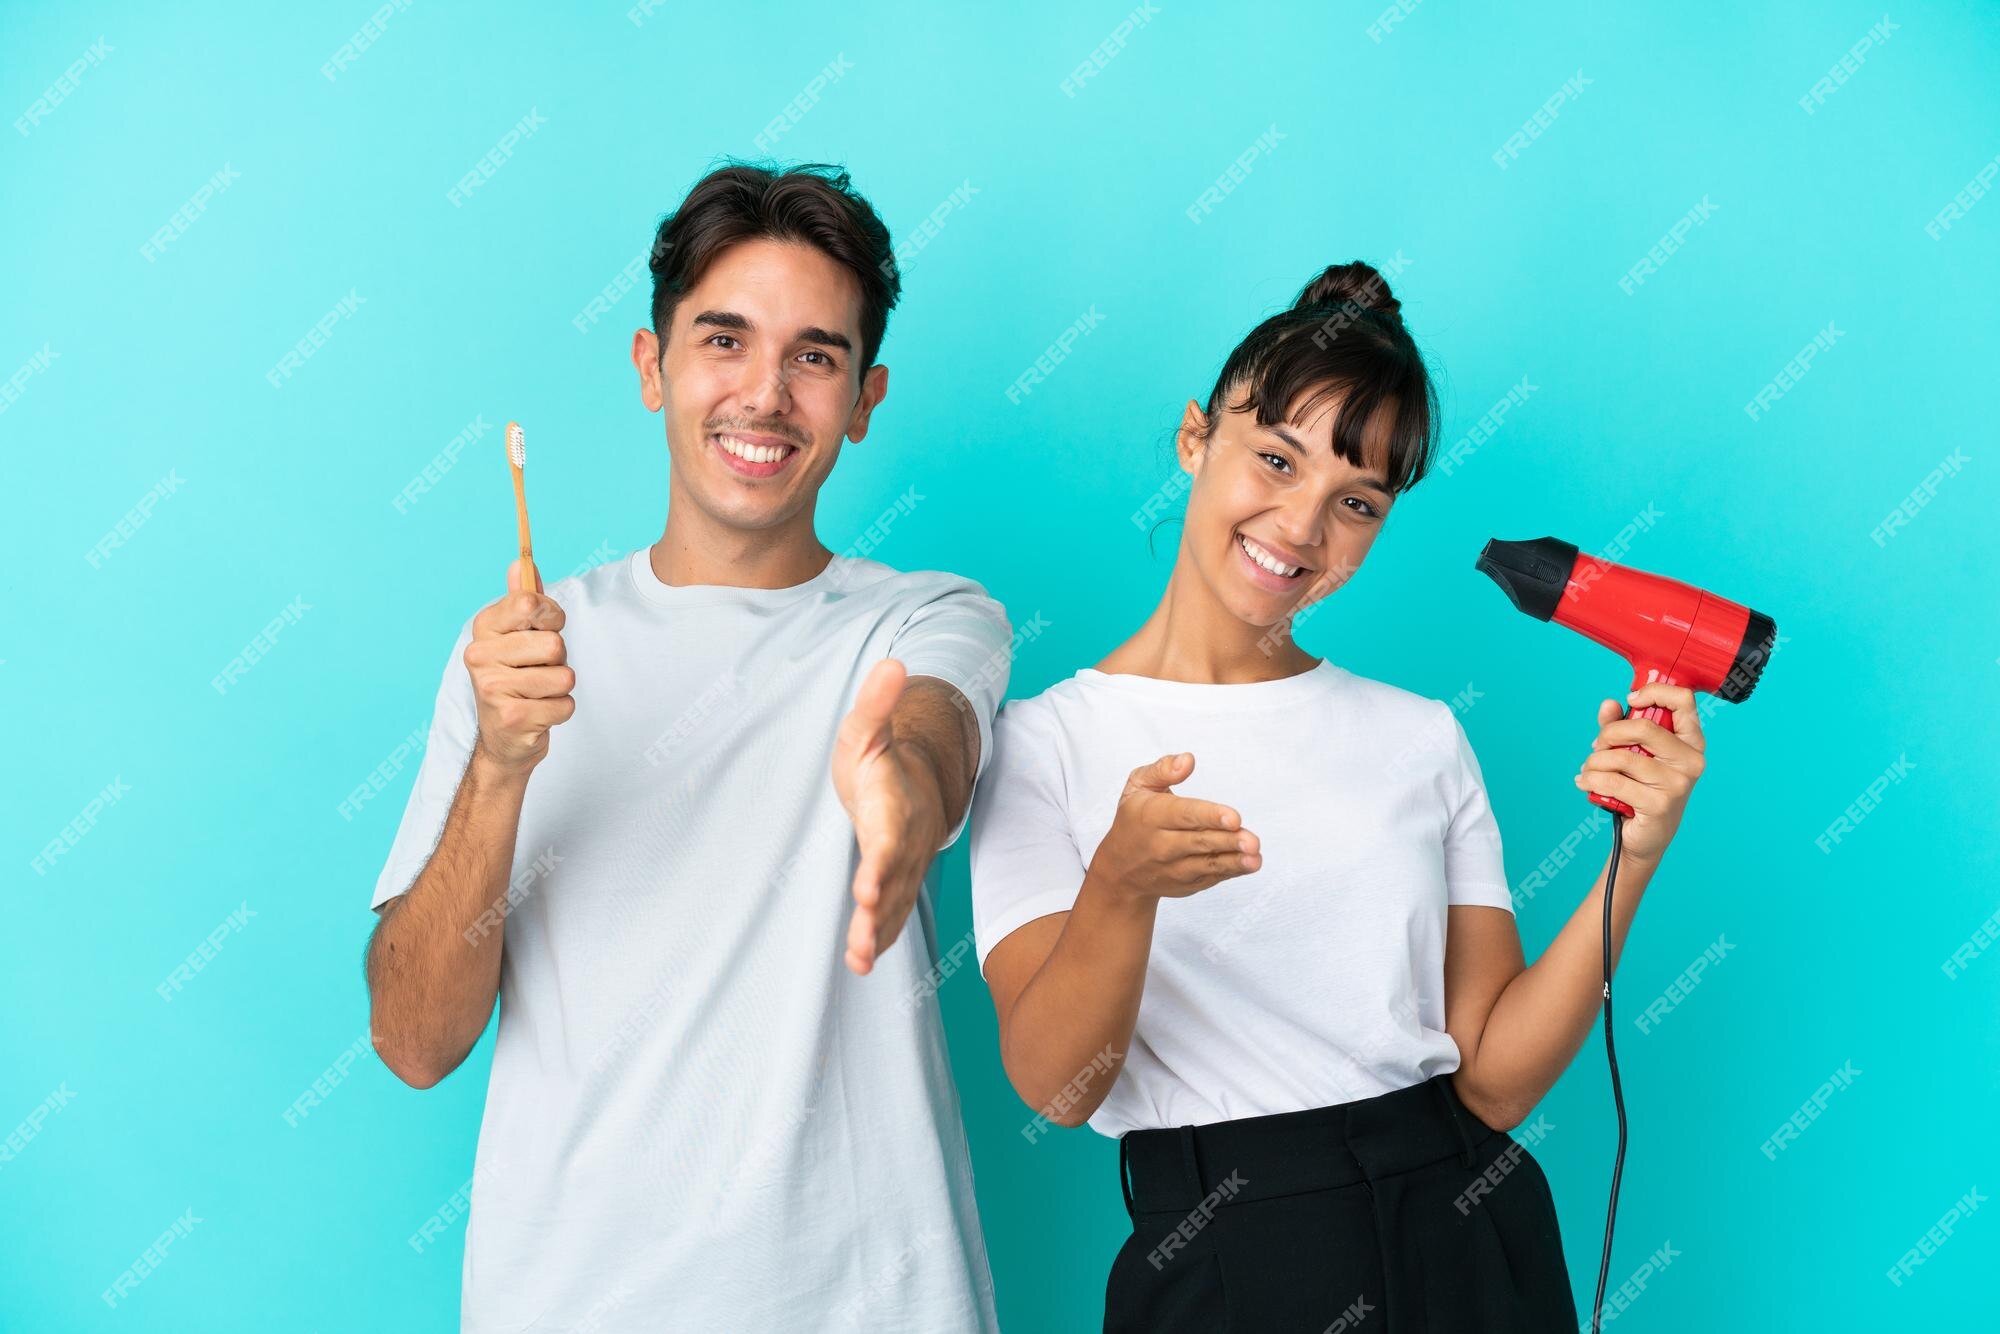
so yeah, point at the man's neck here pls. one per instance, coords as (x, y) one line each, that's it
(695, 549)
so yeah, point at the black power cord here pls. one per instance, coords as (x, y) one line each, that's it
(1611, 1055)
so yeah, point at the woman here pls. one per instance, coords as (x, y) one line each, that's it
(1313, 1067)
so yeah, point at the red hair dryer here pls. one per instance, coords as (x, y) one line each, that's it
(1669, 631)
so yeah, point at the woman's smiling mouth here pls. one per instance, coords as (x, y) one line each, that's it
(1266, 568)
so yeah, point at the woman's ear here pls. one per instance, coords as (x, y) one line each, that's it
(1191, 441)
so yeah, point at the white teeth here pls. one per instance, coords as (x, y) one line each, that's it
(743, 449)
(1263, 557)
(1266, 559)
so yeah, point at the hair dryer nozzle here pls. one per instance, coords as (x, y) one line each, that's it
(1531, 574)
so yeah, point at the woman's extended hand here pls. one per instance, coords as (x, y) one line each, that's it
(1161, 845)
(1655, 786)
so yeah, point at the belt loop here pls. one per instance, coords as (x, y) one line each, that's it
(1125, 1181)
(1457, 1121)
(1193, 1167)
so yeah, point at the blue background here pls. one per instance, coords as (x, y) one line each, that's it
(1892, 652)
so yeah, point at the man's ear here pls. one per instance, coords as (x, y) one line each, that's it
(646, 360)
(1191, 441)
(874, 388)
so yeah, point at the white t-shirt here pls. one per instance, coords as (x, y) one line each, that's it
(1316, 979)
(698, 1118)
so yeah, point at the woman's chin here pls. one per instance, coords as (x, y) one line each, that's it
(1262, 611)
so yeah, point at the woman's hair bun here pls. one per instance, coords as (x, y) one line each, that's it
(1356, 282)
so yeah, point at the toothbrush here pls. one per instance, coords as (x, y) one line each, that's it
(517, 458)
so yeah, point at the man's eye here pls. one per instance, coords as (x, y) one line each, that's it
(824, 359)
(719, 339)
(1277, 461)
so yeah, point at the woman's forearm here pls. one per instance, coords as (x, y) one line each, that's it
(1543, 1016)
(1064, 1040)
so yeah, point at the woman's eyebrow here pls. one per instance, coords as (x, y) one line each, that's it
(1370, 480)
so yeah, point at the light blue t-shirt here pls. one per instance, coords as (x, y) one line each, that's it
(698, 1118)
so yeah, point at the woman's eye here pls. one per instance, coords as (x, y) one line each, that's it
(1277, 461)
(1367, 508)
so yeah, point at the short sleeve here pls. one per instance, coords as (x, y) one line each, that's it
(961, 636)
(454, 724)
(1025, 862)
(1475, 871)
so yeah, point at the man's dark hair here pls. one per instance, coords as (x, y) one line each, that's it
(813, 204)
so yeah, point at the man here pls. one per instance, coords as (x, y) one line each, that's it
(675, 814)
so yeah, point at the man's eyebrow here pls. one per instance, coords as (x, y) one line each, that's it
(812, 333)
(719, 319)
(1371, 481)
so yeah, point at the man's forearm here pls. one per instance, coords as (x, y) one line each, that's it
(935, 719)
(432, 980)
(1541, 1019)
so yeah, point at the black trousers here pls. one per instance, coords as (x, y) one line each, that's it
(1398, 1214)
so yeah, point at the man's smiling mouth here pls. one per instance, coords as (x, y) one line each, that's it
(753, 456)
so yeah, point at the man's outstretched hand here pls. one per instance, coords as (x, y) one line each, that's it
(892, 792)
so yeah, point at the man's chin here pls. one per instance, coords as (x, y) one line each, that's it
(750, 513)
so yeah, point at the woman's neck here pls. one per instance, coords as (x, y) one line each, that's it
(1192, 637)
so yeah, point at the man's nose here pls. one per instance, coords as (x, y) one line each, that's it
(766, 389)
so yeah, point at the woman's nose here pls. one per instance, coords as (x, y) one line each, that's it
(1301, 526)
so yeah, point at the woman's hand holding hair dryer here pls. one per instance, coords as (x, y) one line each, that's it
(1647, 767)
